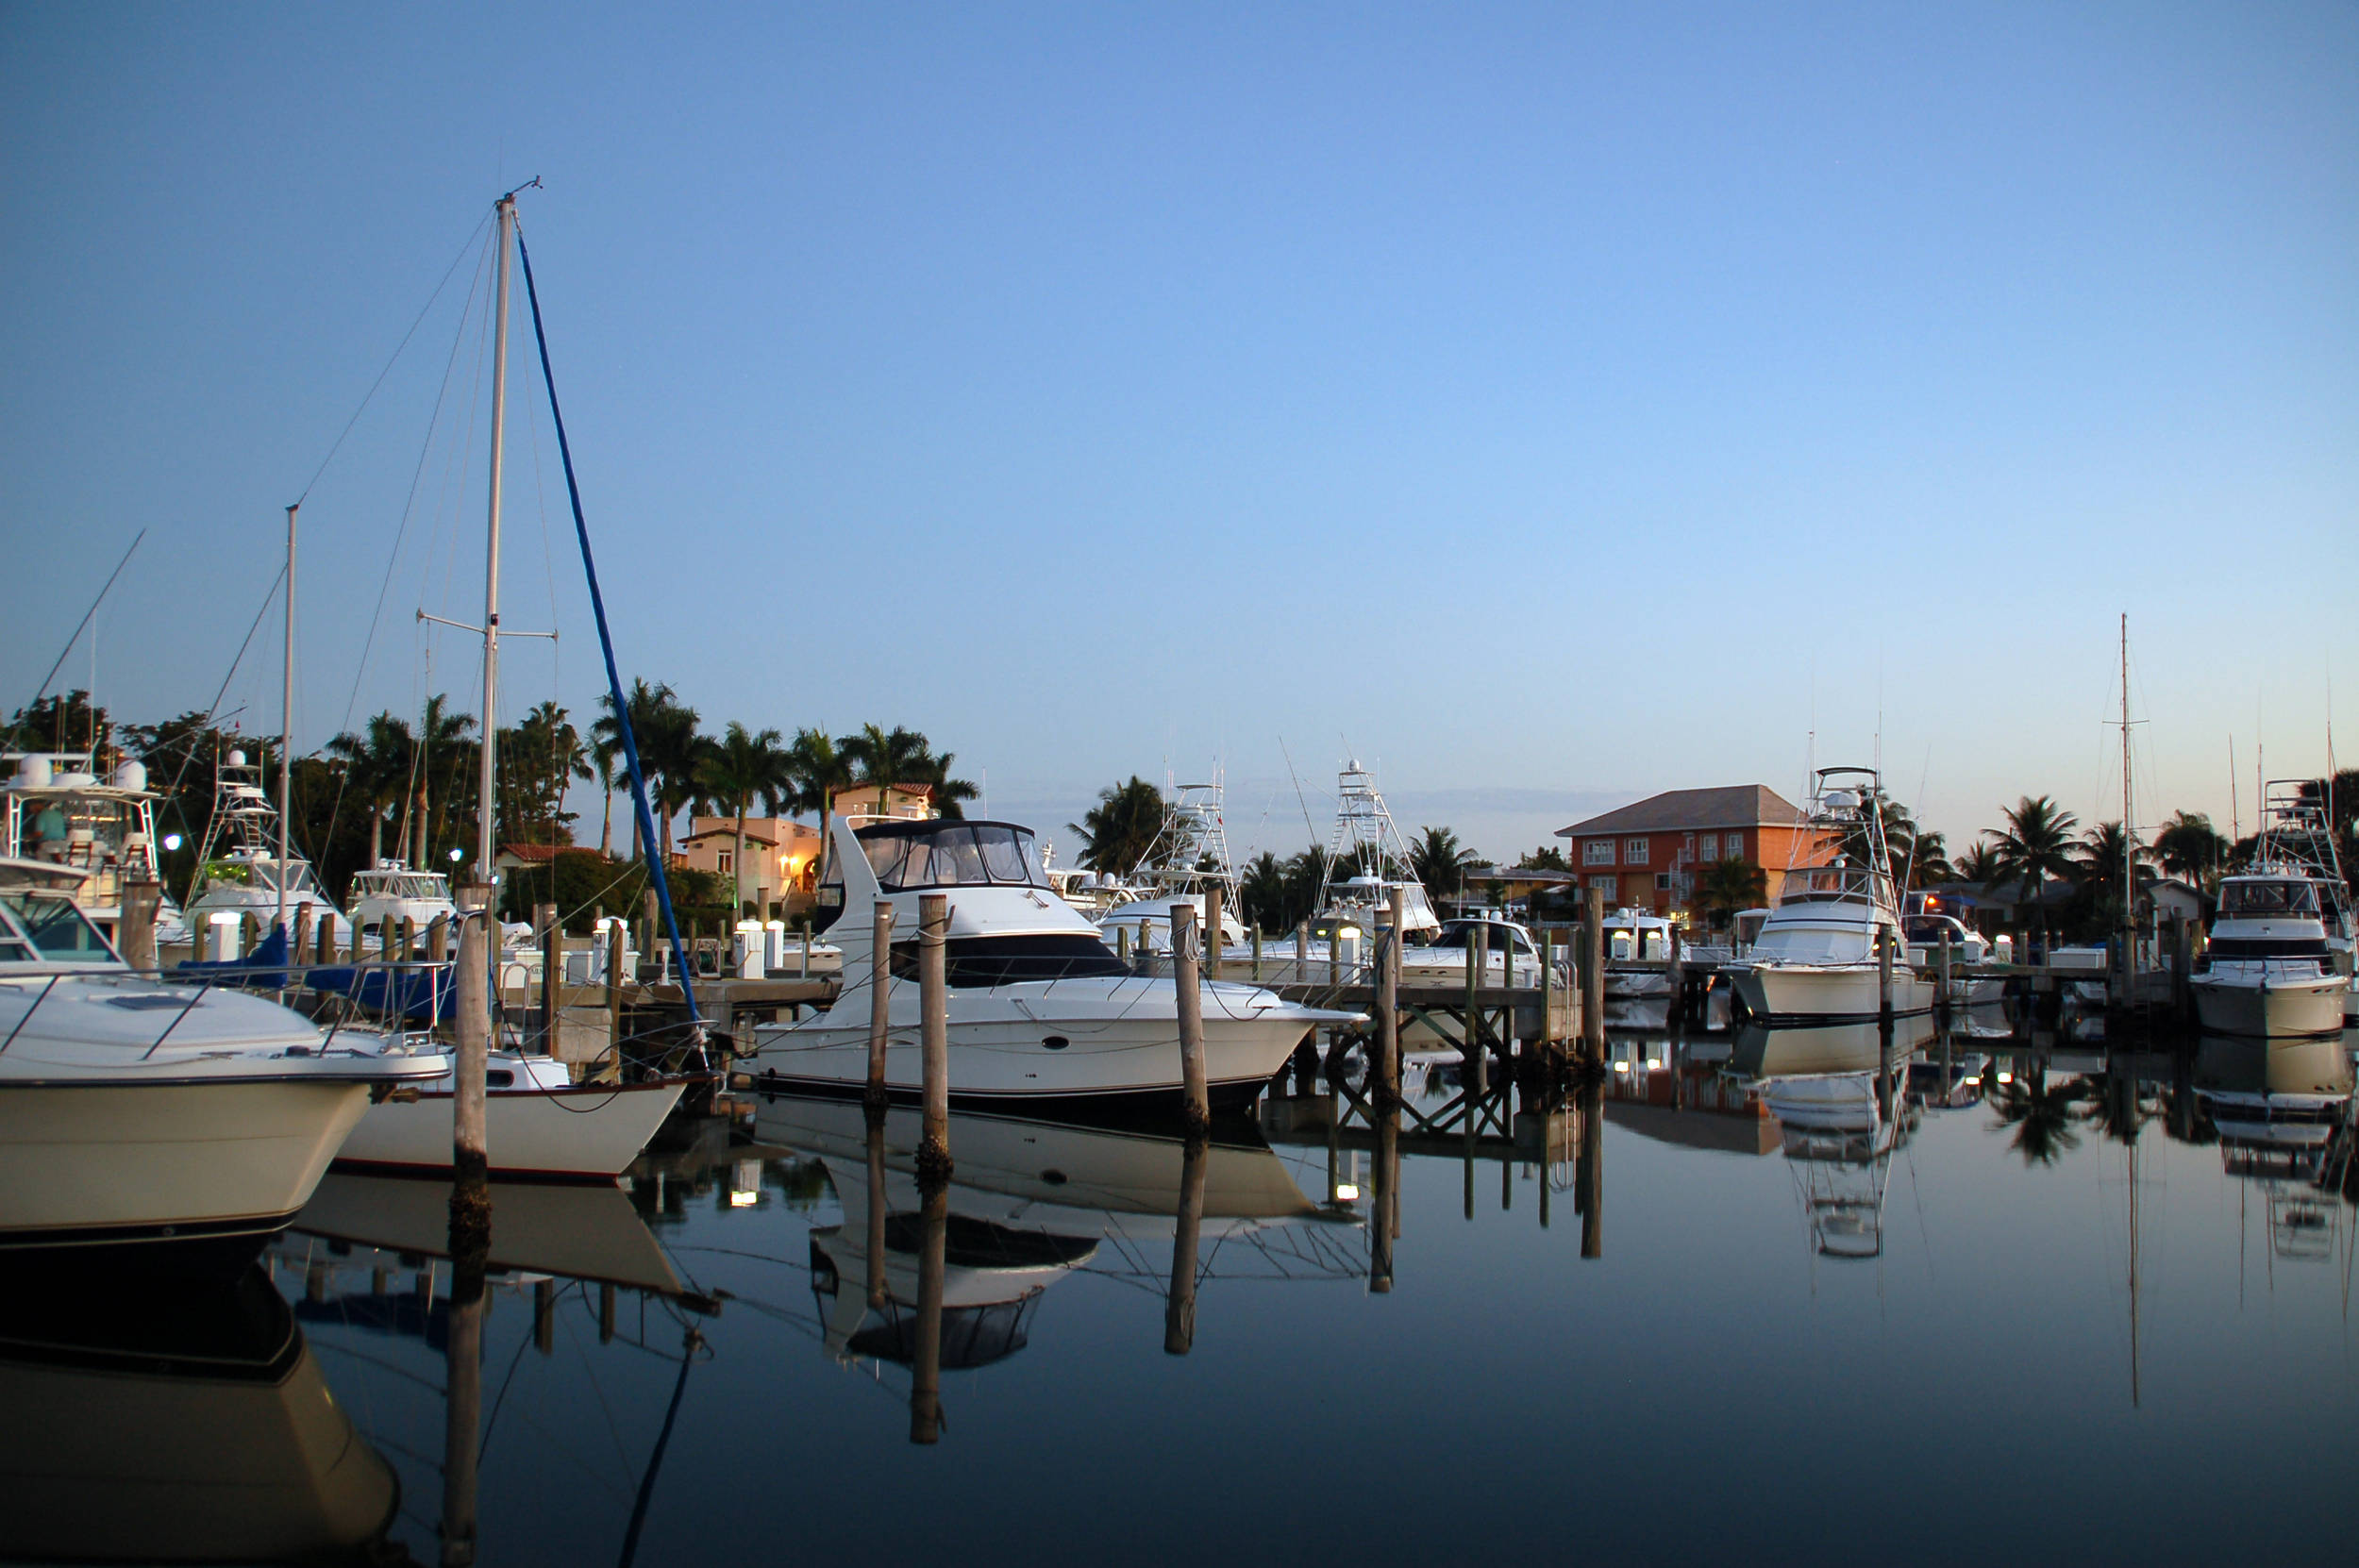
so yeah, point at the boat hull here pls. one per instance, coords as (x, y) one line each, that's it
(1127, 1055)
(582, 1133)
(1823, 992)
(206, 1170)
(2272, 1008)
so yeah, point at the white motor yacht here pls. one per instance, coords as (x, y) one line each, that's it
(2267, 970)
(390, 891)
(190, 1117)
(237, 869)
(61, 809)
(1041, 1011)
(1817, 958)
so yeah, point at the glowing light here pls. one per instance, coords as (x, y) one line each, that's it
(454, 855)
(172, 841)
(2006, 1078)
(1346, 1191)
(1621, 1067)
(743, 1200)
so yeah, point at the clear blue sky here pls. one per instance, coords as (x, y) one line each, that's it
(1552, 404)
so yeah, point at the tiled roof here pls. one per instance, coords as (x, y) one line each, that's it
(1677, 810)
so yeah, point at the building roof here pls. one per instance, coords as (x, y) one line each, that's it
(540, 854)
(769, 830)
(1677, 810)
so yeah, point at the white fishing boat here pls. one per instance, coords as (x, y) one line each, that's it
(1818, 956)
(59, 809)
(241, 870)
(390, 892)
(1188, 858)
(2266, 969)
(1041, 1011)
(191, 1118)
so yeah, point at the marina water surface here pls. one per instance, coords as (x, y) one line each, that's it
(2028, 1309)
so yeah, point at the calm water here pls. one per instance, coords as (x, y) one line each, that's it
(2054, 1318)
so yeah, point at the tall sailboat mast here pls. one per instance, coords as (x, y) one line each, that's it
(2129, 838)
(484, 848)
(286, 723)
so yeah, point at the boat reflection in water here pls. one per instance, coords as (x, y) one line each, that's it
(2282, 1106)
(951, 1280)
(1839, 1094)
(587, 1232)
(189, 1426)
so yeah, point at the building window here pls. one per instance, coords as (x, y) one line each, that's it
(1597, 852)
(1603, 884)
(1633, 852)
(1712, 846)
(725, 864)
(1663, 881)
(1736, 846)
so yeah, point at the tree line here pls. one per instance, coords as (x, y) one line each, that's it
(407, 791)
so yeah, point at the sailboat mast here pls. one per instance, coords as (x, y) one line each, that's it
(286, 722)
(2129, 836)
(484, 848)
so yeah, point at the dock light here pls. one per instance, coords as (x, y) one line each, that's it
(1346, 1191)
(1621, 1067)
(454, 855)
(2006, 1078)
(742, 1199)
(172, 841)
(1653, 1062)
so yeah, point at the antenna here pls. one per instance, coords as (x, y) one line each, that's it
(2235, 820)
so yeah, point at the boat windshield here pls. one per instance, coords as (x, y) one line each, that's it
(1830, 883)
(1812, 945)
(399, 884)
(906, 856)
(36, 926)
(2259, 900)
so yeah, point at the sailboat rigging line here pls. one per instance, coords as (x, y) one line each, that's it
(85, 621)
(679, 1385)
(464, 246)
(647, 838)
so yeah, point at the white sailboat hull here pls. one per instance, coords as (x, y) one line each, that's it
(580, 1133)
(95, 1164)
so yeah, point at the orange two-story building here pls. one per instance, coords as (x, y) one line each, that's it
(1646, 855)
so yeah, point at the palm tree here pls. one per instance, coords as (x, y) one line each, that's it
(950, 793)
(2036, 844)
(602, 763)
(886, 761)
(1978, 864)
(739, 768)
(665, 734)
(377, 764)
(1932, 863)
(1439, 862)
(1261, 892)
(1726, 886)
(819, 769)
(444, 752)
(1899, 835)
(1121, 831)
(2188, 845)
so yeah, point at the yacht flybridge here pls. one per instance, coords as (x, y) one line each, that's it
(1817, 958)
(193, 1119)
(1041, 1011)
(61, 808)
(2279, 962)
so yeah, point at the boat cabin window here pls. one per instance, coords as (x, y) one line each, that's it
(1805, 945)
(2260, 900)
(907, 856)
(980, 961)
(47, 925)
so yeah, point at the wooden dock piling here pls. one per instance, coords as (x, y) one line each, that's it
(1196, 1110)
(1593, 979)
(934, 1147)
(879, 1006)
(1387, 1066)
(143, 901)
(545, 920)
(299, 933)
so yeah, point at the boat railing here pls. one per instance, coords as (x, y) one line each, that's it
(1847, 883)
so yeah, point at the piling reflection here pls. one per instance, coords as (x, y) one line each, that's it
(184, 1420)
